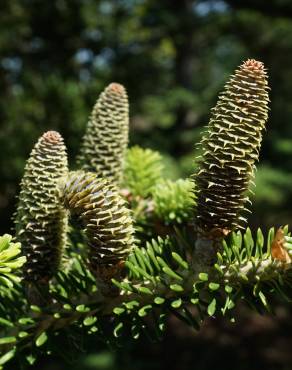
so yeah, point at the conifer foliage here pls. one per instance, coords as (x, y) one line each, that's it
(174, 200)
(124, 279)
(143, 170)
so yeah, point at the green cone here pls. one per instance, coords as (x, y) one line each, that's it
(40, 219)
(105, 141)
(106, 219)
(230, 148)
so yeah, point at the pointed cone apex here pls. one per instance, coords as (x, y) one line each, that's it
(253, 65)
(105, 141)
(116, 88)
(40, 219)
(230, 148)
(52, 137)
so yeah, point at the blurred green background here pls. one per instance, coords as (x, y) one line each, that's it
(173, 56)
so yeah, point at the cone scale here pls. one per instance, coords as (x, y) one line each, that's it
(105, 218)
(230, 149)
(105, 141)
(40, 219)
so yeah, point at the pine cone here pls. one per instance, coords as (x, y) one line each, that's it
(230, 148)
(106, 219)
(41, 219)
(105, 141)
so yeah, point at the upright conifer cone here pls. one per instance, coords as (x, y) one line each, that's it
(106, 219)
(41, 218)
(230, 148)
(105, 141)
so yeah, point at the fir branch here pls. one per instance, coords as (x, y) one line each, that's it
(130, 287)
(10, 261)
(174, 201)
(160, 280)
(142, 172)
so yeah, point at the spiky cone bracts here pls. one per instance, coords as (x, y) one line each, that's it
(40, 218)
(230, 149)
(106, 220)
(105, 141)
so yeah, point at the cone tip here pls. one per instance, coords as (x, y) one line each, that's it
(116, 87)
(52, 136)
(253, 65)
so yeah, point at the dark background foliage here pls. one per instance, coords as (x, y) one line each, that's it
(174, 57)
